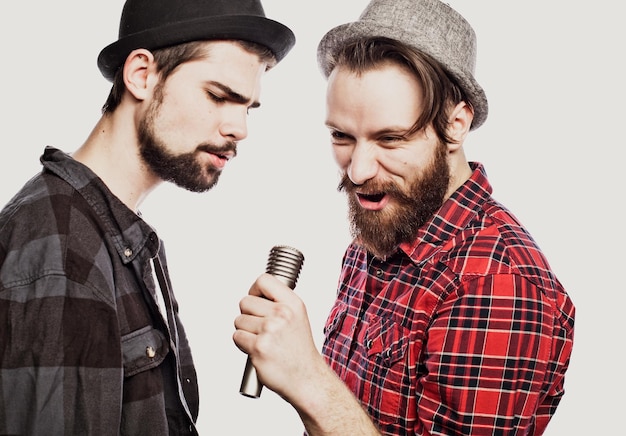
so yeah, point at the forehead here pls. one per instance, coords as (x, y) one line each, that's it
(388, 94)
(227, 62)
(386, 77)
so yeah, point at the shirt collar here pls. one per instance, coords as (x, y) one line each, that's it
(129, 232)
(453, 215)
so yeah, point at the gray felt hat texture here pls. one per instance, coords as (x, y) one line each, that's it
(430, 26)
(153, 24)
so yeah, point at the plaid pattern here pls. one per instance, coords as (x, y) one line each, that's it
(83, 348)
(466, 331)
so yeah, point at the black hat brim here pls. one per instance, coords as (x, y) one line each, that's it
(269, 33)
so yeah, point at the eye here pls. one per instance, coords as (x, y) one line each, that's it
(340, 138)
(215, 98)
(390, 139)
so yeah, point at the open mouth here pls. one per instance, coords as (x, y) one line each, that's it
(375, 201)
(372, 198)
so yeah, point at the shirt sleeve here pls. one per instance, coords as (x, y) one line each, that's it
(487, 360)
(60, 367)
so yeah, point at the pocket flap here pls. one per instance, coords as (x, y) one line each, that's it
(385, 339)
(143, 349)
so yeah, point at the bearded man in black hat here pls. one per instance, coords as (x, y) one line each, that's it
(448, 318)
(90, 337)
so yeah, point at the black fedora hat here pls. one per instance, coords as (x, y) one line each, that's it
(153, 24)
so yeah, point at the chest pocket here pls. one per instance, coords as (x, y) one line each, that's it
(143, 349)
(386, 345)
(335, 319)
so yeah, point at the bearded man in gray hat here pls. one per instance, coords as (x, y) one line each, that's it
(90, 336)
(448, 319)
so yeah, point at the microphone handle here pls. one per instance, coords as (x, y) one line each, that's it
(285, 264)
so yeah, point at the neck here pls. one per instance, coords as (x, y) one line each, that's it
(460, 170)
(112, 152)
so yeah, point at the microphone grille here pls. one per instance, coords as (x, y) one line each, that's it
(285, 263)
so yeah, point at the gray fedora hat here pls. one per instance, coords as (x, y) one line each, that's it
(430, 26)
(153, 24)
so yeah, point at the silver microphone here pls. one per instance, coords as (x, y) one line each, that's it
(285, 264)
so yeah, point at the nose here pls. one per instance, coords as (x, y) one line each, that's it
(363, 163)
(234, 124)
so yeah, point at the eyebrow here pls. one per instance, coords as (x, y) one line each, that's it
(232, 95)
(392, 130)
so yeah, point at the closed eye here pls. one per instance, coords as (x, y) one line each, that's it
(216, 98)
(389, 139)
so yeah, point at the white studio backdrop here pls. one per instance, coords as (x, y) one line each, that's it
(552, 146)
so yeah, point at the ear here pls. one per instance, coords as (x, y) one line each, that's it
(461, 119)
(138, 68)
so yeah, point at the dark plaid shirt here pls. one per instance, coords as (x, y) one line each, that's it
(83, 347)
(465, 331)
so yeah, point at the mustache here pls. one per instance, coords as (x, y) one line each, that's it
(345, 184)
(228, 147)
(369, 186)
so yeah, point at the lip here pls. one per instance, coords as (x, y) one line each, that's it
(219, 160)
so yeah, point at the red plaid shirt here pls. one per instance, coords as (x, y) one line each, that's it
(464, 331)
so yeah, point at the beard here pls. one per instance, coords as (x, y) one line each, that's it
(184, 170)
(381, 231)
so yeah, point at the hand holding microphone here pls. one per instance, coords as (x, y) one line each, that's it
(285, 264)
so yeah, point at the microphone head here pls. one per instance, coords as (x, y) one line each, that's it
(285, 263)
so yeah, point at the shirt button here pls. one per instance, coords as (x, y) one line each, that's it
(379, 273)
(150, 352)
(128, 252)
(368, 344)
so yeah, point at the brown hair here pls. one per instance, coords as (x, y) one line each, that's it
(169, 58)
(440, 91)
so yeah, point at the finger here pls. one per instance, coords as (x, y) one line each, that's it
(254, 305)
(248, 323)
(244, 340)
(270, 287)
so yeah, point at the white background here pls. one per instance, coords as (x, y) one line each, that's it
(553, 147)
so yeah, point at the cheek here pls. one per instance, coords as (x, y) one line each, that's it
(187, 124)
(342, 156)
(407, 162)
(185, 109)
